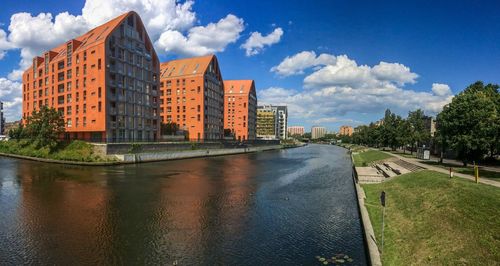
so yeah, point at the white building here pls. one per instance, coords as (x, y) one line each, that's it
(317, 132)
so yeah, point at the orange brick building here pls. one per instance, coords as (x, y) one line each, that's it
(192, 96)
(346, 131)
(240, 108)
(105, 83)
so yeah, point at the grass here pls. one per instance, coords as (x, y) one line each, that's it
(465, 170)
(75, 151)
(365, 158)
(433, 220)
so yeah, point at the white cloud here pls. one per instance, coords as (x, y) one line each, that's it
(441, 89)
(256, 42)
(158, 15)
(202, 40)
(166, 18)
(10, 95)
(339, 86)
(296, 64)
(33, 35)
(4, 44)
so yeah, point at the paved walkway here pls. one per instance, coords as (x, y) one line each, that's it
(445, 171)
(460, 164)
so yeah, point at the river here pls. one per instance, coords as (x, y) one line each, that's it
(271, 208)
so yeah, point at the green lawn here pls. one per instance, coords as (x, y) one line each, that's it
(74, 151)
(465, 170)
(434, 220)
(365, 158)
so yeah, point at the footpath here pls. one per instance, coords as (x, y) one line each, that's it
(445, 171)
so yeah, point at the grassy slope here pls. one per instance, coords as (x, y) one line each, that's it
(75, 151)
(431, 219)
(466, 170)
(364, 158)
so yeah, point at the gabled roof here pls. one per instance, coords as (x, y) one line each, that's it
(238, 86)
(185, 67)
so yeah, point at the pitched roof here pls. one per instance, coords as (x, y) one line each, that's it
(238, 86)
(185, 67)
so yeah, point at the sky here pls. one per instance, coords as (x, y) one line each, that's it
(333, 62)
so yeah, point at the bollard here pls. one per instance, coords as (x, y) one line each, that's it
(451, 172)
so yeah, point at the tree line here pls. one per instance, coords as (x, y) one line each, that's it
(469, 126)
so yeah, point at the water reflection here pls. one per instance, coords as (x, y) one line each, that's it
(274, 207)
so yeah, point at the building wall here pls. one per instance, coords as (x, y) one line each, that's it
(296, 130)
(240, 108)
(280, 121)
(318, 132)
(98, 103)
(266, 123)
(193, 99)
(346, 131)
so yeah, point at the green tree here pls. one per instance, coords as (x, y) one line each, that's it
(470, 123)
(418, 131)
(169, 128)
(404, 134)
(44, 127)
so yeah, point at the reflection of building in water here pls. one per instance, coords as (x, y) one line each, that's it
(64, 222)
(205, 204)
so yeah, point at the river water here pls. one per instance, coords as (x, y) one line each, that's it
(271, 208)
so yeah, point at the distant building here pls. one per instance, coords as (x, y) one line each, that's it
(346, 131)
(266, 123)
(272, 121)
(430, 125)
(317, 132)
(10, 125)
(2, 120)
(240, 108)
(296, 130)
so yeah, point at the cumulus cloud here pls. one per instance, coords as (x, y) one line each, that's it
(157, 15)
(10, 95)
(4, 44)
(256, 42)
(441, 89)
(296, 64)
(339, 86)
(35, 34)
(163, 19)
(202, 40)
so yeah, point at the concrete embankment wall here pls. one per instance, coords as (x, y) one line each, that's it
(369, 234)
(176, 155)
(126, 148)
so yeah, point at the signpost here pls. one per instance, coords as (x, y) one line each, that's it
(382, 201)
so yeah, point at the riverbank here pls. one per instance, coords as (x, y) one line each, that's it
(432, 219)
(86, 154)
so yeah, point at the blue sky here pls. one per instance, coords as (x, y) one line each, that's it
(446, 43)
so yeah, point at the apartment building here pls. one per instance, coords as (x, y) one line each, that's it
(346, 131)
(317, 132)
(192, 96)
(296, 131)
(240, 108)
(279, 122)
(2, 120)
(104, 82)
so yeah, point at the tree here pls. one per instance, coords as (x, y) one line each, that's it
(418, 131)
(470, 123)
(44, 127)
(404, 134)
(169, 128)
